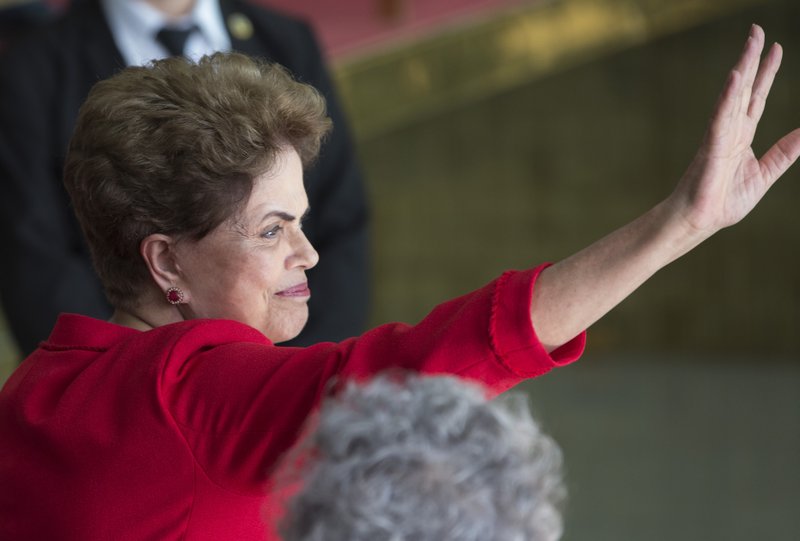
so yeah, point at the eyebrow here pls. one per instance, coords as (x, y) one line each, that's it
(285, 215)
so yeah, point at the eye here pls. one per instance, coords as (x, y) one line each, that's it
(272, 233)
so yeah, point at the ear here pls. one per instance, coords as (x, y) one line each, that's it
(158, 252)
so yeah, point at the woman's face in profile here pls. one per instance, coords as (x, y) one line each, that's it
(252, 267)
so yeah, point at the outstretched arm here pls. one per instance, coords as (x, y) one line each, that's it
(721, 186)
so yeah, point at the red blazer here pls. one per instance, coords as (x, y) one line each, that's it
(109, 433)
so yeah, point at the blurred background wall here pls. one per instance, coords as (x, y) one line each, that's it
(501, 134)
(490, 169)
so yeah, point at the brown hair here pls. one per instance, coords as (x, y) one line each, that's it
(174, 147)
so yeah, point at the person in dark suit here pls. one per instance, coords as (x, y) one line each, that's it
(16, 18)
(45, 77)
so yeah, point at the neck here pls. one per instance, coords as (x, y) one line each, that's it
(149, 310)
(129, 319)
(173, 9)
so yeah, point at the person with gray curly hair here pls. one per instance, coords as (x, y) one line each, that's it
(423, 458)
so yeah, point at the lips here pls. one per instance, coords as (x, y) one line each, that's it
(299, 290)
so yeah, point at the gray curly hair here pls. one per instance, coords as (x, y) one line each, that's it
(407, 457)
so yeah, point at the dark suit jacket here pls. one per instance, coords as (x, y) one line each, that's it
(45, 265)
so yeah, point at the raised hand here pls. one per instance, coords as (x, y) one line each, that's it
(726, 180)
(723, 183)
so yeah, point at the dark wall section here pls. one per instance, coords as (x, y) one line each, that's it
(538, 172)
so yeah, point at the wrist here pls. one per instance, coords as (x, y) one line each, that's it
(677, 231)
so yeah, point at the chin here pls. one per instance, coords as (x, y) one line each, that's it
(289, 327)
(279, 339)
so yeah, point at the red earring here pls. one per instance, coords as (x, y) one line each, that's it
(174, 295)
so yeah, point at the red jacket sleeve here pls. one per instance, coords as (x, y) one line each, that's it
(241, 405)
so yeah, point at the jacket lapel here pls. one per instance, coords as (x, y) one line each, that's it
(99, 46)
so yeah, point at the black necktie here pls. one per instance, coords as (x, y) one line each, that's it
(174, 39)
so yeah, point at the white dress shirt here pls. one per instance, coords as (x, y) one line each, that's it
(135, 23)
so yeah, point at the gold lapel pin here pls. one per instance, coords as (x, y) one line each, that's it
(240, 26)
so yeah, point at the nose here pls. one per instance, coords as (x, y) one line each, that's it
(303, 254)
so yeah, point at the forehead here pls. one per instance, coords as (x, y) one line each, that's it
(279, 189)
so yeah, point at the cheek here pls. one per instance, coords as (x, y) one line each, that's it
(251, 292)
(262, 269)
(252, 277)
(253, 289)
(233, 287)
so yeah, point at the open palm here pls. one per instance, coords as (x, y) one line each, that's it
(726, 180)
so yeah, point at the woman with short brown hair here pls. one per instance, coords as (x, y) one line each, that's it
(174, 148)
(165, 422)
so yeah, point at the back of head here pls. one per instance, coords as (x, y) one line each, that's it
(424, 459)
(173, 148)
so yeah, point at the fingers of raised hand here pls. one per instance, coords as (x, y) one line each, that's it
(745, 93)
(763, 82)
(780, 157)
(726, 110)
(748, 64)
